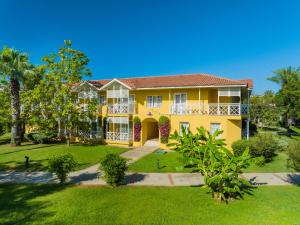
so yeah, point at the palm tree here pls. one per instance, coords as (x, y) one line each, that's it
(14, 66)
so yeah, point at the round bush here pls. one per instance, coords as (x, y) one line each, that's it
(294, 155)
(264, 145)
(114, 168)
(240, 146)
(62, 165)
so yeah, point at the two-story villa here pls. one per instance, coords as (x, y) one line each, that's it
(189, 101)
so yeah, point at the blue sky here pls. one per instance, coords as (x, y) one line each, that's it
(126, 38)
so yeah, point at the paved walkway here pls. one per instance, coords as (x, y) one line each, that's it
(139, 152)
(91, 176)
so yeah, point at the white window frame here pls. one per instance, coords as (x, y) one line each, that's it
(152, 104)
(181, 93)
(211, 130)
(180, 127)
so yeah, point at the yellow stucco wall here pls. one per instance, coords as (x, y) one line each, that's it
(231, 125)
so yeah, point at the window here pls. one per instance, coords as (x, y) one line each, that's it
(101, 100)
(183, 126)
(214, 127)
(154, 101)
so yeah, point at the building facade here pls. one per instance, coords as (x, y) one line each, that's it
(189, 101)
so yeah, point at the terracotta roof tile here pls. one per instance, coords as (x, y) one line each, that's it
(185, 80)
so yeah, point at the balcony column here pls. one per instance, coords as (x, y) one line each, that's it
(248, 113)
(199, 103)
(218, 106)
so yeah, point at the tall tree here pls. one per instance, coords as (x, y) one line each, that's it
(14, 66)
(289, 94)
(52, 104)
(264, 111)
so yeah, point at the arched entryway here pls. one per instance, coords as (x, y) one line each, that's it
(150, 132)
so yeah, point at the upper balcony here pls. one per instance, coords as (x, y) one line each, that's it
(215, 109)
(121, 108)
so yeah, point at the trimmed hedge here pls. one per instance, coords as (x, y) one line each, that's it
(137, 126)
(261, 146)
(294, 155)
(164, 129)
(41, 137)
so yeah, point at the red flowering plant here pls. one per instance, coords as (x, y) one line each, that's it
(137, 126)
(164, 129)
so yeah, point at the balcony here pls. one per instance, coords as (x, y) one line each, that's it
(121, 108)
(218, 109)
(118, 136)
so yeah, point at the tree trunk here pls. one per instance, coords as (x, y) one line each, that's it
(15, 107)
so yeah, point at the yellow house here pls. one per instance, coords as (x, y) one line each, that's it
(189, 101)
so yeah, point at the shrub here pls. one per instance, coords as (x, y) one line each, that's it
(137, 128)
(164, 129)
(264, 145)
(217, 164)
(29, 137)
(294, 155)
(62, 165)
(114, 168)
(43, 137)
(240, 146)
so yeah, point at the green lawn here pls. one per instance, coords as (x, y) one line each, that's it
(45, 204)
(12, 158)
(169, 163)
(279, 164)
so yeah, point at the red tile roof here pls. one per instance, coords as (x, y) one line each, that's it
(185, 80)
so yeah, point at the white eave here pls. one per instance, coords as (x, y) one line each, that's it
(114, 80)
(83, 83)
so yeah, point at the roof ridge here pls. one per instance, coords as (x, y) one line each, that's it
(174, 75)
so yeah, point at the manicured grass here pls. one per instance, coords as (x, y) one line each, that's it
(169, 162)
(279, 164)
(12, 158)
(45, 204)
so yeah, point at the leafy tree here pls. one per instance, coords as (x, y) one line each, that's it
(264, 111)
(14, 66)
(52, 102)
(219, 166)
(289, 94)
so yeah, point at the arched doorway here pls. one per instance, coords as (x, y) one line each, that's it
(150, 132)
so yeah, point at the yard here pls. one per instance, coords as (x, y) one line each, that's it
(170, 162)
(46, 204)
(86, 155)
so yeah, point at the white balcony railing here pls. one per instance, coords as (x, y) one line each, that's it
(122, 108)
(229, 109)
(117, 136)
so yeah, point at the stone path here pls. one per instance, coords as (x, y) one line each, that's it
(139, 152)
(91, 176)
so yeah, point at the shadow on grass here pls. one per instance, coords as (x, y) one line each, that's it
(17, 205)
(28, 149)
(34, 165)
